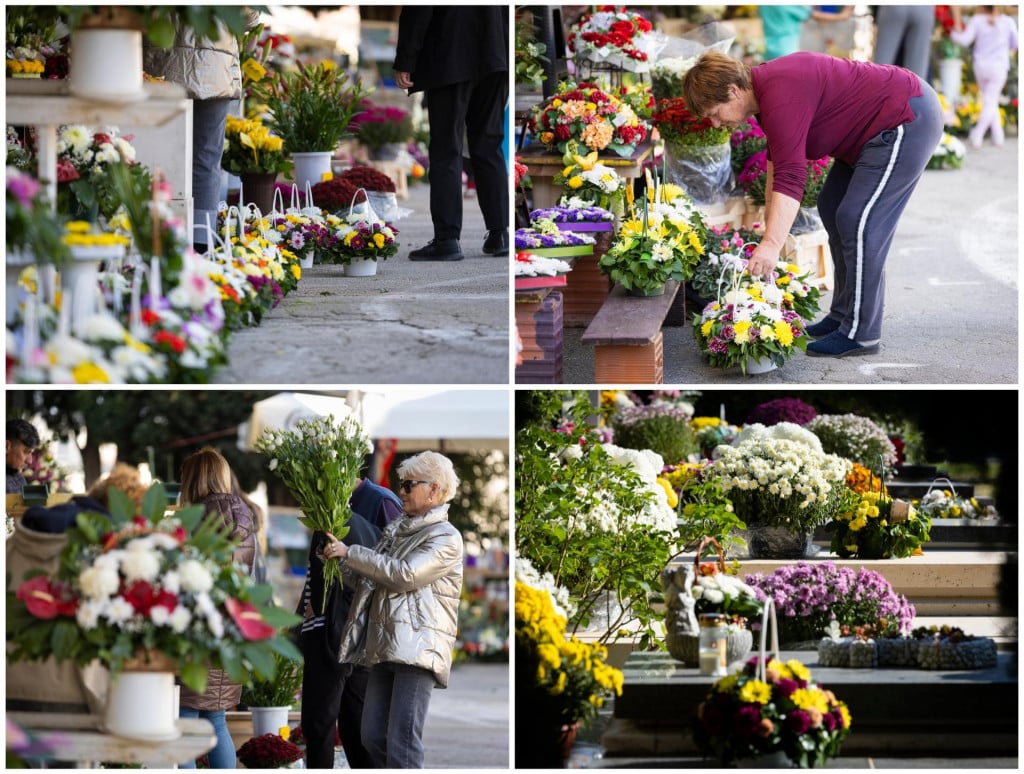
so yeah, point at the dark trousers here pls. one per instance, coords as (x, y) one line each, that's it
(332, 696)
(474, 111)
(397, 698)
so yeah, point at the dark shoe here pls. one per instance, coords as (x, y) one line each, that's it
(496, 242)
(438, 250)
(837, 345)
(822, 327)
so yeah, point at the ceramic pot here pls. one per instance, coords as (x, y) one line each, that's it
(361, 267)
(306, 260)
(268, 720)
(755, 367)
(107, 65)
(142, 701)
(311, 167)
(258, 189)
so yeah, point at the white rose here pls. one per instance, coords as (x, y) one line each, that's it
(195, 578)
(98, 582)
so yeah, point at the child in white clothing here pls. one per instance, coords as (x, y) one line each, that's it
(993, 36)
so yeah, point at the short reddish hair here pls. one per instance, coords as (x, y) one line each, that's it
(707, 83)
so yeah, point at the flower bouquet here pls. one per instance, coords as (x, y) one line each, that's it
(250, 148)
(874, 526)
(857, 438)
(134, 586)
(319, 461)
(696, 152)
(84, 158)
(589, 116)
(376, 126)
(947, 504)
(269, 751)
(770, 707)
(587, 182)
(615, 37)
(661, 240)
(948, 154)
(779, 477)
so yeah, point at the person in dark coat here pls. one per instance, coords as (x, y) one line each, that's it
(332, 692)
(60, 518)
(206, 480)
(22, 439)
(458, 56)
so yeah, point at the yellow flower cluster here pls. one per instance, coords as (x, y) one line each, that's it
(27, 66)
(252, 134)
(871, 506)
(79, 233)
(683, 473)
(702, 423)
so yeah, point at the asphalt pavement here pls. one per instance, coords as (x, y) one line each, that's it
(468, 722)
(951, 312)
(415, 322)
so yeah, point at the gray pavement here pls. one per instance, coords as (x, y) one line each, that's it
(951, 314)
(413, 323)
(468, 723)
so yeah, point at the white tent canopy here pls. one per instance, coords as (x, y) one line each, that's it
(442, 420)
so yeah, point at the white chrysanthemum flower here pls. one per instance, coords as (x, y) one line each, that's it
(171, 582)
(119, 611)
(160, 615)
(141, 565)
(88, 613)
(195, 578)
(180, 619)
(99, 583)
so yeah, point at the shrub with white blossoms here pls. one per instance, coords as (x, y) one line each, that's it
(560, 601)
(776, 477)
(319, 461)
(132, 586)
(855, 437)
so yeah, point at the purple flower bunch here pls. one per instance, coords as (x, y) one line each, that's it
(810, 595)
(781, 410)
(572, 214)
(531, 239)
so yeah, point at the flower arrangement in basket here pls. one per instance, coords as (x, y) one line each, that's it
(779, 476)
(662, 239)
(948, 154)
(136, 585)
(250, 148)
(873, 525)
(771, 708)
(945, 503)
(319, 461)
(587, 182)
(269, 751)
(615, 37)
(593, 118)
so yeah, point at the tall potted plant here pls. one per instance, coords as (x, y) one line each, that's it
(310, 109)
(270, 701)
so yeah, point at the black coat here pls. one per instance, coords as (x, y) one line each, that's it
(442, 45)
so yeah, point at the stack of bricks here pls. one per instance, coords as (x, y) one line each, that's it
(586, 287)
(539, 322)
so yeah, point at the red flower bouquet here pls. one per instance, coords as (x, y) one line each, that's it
(368, 178)
(617, 37)
(679, 126)
(589, 116)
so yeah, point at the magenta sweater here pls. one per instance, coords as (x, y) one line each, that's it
(813, 105)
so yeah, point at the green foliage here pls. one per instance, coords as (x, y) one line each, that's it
(706, 511)
(160, 23)
(311, 107)
(279, 689)
(661, 428)
(530, 54)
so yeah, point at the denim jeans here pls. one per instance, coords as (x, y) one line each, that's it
(223, 755)
(394, 712)
(209, 117)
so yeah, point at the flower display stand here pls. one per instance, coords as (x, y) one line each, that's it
(729, 213)
(544, 166)
(812, 254)
(627, 339)
(539, 322)
(397, 172)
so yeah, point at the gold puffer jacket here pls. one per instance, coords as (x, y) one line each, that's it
(406, 605)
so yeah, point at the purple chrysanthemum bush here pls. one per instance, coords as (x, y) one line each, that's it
(810, 595)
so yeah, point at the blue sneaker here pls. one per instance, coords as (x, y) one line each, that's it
(822, 327)
(837, 345)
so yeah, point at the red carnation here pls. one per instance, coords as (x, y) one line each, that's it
(176, 343)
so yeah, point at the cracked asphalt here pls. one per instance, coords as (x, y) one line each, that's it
(951, 314)
(413, 323)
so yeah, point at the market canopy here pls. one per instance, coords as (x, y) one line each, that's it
(442, 420)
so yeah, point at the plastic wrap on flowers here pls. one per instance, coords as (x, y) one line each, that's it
(703, 170)
(807, 221)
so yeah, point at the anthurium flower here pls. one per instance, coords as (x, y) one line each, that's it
(249, 620)
(45, 599)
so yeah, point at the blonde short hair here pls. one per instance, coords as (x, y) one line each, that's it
(707, 83)
(433, 467)
(124, 477)
(203, 473)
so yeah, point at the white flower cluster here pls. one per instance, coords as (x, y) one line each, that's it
(788, 431)
(560, 600)
(77, 140)
(530, 265)
(716, 588)
(780, 467)
(853, 436)
(674, 67)
(143, 559)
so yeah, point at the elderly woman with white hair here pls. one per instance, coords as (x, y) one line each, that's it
(404, 616)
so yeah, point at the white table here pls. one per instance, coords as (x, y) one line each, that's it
(77, 737)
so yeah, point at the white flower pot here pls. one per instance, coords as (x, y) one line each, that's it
(760, 366)
(107, 65)
(361, 267)
(306, 260)
(311, 167)
(950, 77)
(80, 277)
(268, 720)
(142, 705)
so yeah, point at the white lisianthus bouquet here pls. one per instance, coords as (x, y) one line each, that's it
(776, 477)
(137, 586)
(319, 461)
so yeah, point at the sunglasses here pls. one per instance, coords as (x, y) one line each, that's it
(407, 485)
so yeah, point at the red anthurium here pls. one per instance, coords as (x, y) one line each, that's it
(45, 599)
(249, 620)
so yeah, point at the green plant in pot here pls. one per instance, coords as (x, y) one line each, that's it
(310, 108)
(271, 700)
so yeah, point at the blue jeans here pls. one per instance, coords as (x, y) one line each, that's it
(209, 117)
(223, 755)
(394, 712)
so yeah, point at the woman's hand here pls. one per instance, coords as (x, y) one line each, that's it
(334, 549)
(763, 261)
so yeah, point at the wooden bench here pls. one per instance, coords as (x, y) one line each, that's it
(627, 339)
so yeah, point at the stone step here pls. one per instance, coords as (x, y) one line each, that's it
(894, 711)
